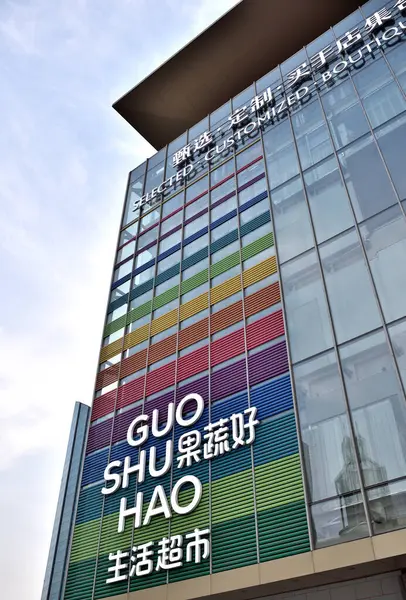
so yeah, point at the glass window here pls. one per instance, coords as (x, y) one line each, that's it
(379, 92)
(166, 285)
(170, 241)
(125, 252)
(120, 291)
(252, 191)
(171, 223)
(110, 362)
(172, 148)
(378, 408)
(387, 506)
(128, 234)
(325, 429)
(162, 362)
(173, 204)
(113, 337)
(166, 308)
(392, 142)
(368, 184)
(339, 520)
(227, 251)
(197, 188)
(352, 300)
(221, 172)
(194, 293)
(243, 97)
(384, 239)
(167, 262)
(398, 338)
(149, 219)
(197, 268)
(348, 23)
(222, 230)
(292, 222)
(396, 59)
(220, 113)
(254, 211)
(320, 43)
(164, 334)
(116, 313)
(250, 173)
(220, 334)
(261, 256)
(222, 190)
(196, 225)
(147, 238)
(145, 257)
(226, 275)
(280, 154)
(193, 247)
(136, 349)
(271, 79)
(196, 206)
(195, 318)
(306, 308)
(140, 300)
(257, 234)
(198, 129)
(328, 200)
(226, 302)
(138, 323)
(133, 376)
(155, 176)
(223, 209)
(259, 285)
(247, 156)
(193, 347)
(156, 158)
(344, 114)
(133, 196)
(122, 271)
(312, 136)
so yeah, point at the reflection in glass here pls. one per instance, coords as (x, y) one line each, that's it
(398, 338)
(384, 239)
(392, 142)
(306, 308)
(379, 92)
(339, 520)
(327, 447)
(396, 59)
(378, 408)
(133, 196)
(352, 301)
(344, 114)
(155, 177)
(328, 200)
(292, 221)
(387, 506)
(312, 136)
(368, 184)
(280, 154)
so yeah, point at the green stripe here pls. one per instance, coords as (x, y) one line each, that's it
(277, 483)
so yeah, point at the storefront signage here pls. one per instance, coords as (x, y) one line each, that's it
(383, 29)
(221, 437)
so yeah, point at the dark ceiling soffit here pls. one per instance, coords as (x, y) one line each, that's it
(242, 46)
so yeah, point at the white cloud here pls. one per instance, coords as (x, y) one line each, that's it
(64, 158)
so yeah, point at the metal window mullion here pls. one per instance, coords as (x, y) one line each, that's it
(209, 365)
(296, 412)
(246, 350)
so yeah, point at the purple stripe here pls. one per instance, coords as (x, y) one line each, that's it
(196, 216)
(228, 381)
(160, 403)
(199, 386)
(99, 436)
(268, 363)
(221, 200)
(122, 423)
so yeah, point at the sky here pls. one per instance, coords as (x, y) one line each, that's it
(64, 159)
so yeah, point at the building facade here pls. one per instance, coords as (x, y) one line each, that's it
(58, 558)
(248, 430)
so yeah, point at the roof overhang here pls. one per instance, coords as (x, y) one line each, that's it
(247, 42)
